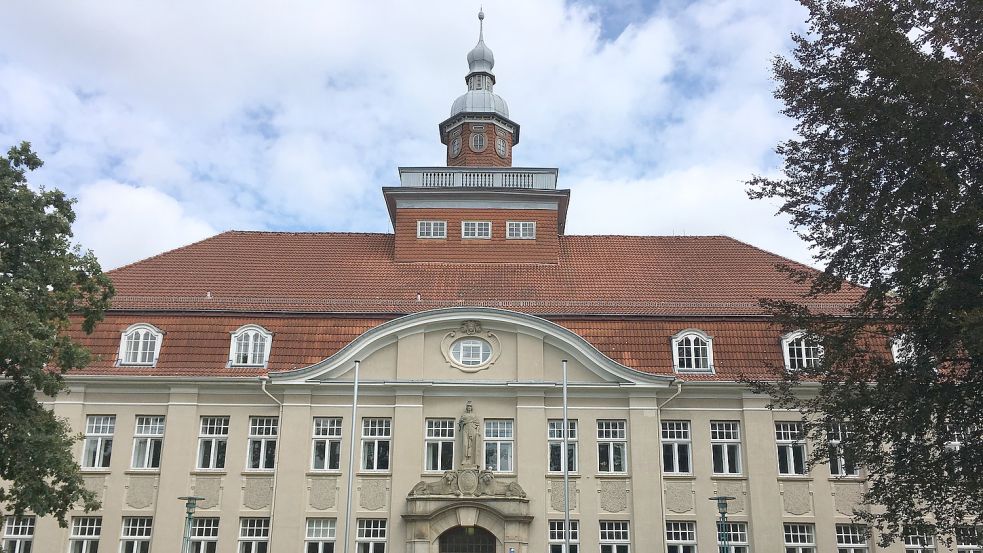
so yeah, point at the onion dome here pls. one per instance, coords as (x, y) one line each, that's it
(480, 97)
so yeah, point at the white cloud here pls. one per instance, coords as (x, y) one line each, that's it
(292, 115)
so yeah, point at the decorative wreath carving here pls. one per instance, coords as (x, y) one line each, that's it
(467, 329)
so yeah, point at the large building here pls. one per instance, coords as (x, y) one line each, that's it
(226, 370)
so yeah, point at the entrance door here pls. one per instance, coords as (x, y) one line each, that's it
(471, 539)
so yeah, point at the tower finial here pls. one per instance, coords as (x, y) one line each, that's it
(481, 23)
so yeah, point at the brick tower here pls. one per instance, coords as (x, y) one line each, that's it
(478, 132)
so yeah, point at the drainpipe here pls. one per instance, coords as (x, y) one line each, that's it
(263, 379)
(658, 428)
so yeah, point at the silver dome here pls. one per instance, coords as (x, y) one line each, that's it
(480, 101)
(481, 58)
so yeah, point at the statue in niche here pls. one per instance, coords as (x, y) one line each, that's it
(469, 426)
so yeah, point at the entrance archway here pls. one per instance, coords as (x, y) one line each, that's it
(467, 539)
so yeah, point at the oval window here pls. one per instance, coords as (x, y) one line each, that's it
(501, 147)
(456, 147)
(478, 142)
(471, 352)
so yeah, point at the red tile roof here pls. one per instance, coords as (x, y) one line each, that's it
(275, 272)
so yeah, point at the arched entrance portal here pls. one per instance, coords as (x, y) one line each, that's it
(467, 539)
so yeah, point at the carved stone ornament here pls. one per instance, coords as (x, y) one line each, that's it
(468, 483)
(468, 329)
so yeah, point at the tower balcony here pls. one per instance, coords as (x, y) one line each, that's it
(535, 178)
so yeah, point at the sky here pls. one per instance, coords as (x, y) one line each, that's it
(173, 121)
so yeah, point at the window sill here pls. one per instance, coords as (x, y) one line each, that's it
(330, 472)
(142, 471)
(96, 470)
(209, 472)
(377, 473)
(794, 477)
(559, 475)
(855, 479)
(258, 472)
(618, 475)
(728, 477)
(678, 476)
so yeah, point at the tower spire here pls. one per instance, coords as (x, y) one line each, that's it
(481, 24)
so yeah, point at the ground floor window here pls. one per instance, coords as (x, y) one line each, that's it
(851, 538)
(800, 538)
(735, 534)
(557, 537)
(254, 535)
(18, 534)
(615, 537)
(320, 535)
(681, 537)
(371, 536)
(85, 535)
(204, 535)
(136, 534)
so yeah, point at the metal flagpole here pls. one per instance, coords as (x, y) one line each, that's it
(565, 459)
(351, 462)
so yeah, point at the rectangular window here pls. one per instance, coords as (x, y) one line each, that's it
(557, 537)
(676, 447)
(98, 449)
(327, 443)
(85, 535)
(148, 441)
(521, 230)
(735, 534)
(263, 432)
(213, 438)
(376, 436)
(475, 229)
(320, 535)
(919, 543)
(371, 535)
(612, 446)
(800, 538)
(254, 535)
(851, 538)
(615, 537)
(498, 445)
(431, 229)
(204, 535)
(681, 537)
(791, 448)
(440, 444)
(136, 534)
(725, 441)
(968, 540)
(840, 463)
(18, 534)
(555, 436)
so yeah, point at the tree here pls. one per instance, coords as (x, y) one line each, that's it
(883, 180)
(44, 284)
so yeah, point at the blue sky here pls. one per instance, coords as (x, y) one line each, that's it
(173, 121)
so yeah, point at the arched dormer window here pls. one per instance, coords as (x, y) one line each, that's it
(692, 352)
(140, 345)
(250, 346)
(801, 351)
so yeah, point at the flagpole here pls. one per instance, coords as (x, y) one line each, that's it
(565, 457)
(351, 462)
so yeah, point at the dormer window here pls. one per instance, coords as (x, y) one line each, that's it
(250, 346)
(431, 229)
(692, 352)
(140, 345)
(521, 230)
(801, 351)
(476, 229)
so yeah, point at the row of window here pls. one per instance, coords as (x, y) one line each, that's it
(514, 230)
(440, 438)
(692, 350)
(371, 535)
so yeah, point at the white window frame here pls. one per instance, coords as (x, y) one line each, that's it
(204, 534)
(557, 536)
(471, 230)
(320, 534)
(799, 537)
(967, 538)
(919, 543)
(615, 536)
(680, 536)
(789, 439)
(428, 229)
(839, 465)
(499, 440)
(725, 445)
(148, 442)
(851, 538)
(139, 345)
(264, 432)
(250, 346)
(501, 147)
(687, 341)
(554, 438)
(456, 146)
(376, 437)
(136, 534)
(809, 355)
(463, 352)
(213, 434)
(371, 535)
(85, 532)
(737, 537)
(97, 449)
(676, 438)
(254, 533)
(612, 435)
(439, 437)
(478, 141)
(326, 435)
(18, 533)
(520, 230)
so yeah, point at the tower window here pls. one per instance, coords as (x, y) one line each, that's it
(521, 230)
(476, 229)
(456, 146)
(431, 229)
(501, 148)
(478, 142)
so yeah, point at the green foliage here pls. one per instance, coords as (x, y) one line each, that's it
(43, 281)
(884, 182)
